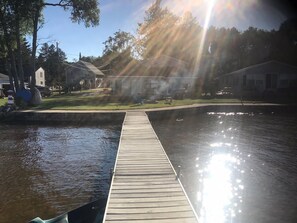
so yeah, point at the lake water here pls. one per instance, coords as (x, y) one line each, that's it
(236, 167)
(46, 170)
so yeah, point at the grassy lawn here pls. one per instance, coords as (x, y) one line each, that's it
(92, 101)
(3, 101)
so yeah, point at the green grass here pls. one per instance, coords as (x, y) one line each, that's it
(93, 101)
(3, 101)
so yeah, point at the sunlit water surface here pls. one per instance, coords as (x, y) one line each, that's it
(236, 167)
(46, 170)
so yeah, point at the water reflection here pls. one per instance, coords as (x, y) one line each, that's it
(219, 194)
(48, 170)
(216, 193)
(236, 167)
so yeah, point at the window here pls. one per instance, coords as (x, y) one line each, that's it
(41, 82)
(41, 74)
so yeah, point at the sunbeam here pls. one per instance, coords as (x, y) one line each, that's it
(210, 7)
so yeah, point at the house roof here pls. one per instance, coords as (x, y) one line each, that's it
(87, 66)
(271, 67)
(40, 68)
(3, 77)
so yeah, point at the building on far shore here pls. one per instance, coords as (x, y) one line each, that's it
(82, 74)
(266, 80)
(153, 78)
(4, 83)
(40, 77)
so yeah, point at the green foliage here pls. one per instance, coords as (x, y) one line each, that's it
(118, 54)
(15, 24)
(223, 50)
(52, 60)
(157, 33)
(86, 11)
(120, 42)
(3, 101)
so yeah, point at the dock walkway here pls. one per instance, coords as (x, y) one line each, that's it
(144, 186)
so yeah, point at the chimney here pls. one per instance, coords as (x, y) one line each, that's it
(79, 55)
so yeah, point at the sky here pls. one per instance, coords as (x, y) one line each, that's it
(124, 15)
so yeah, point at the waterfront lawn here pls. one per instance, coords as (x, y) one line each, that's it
(83, 101)
(3, 101)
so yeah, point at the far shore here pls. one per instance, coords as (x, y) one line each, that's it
(95, 117)
(89, 107)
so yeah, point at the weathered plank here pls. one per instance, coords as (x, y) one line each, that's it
(148, 204)
(184, 220)
(149, 216)
(144, 186)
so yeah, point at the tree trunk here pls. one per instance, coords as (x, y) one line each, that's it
(36, 97)
(19, 53)
(8, 69)
(12, 71)
(34, 46)
(13, 68)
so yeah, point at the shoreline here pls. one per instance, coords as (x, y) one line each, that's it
(87, 117)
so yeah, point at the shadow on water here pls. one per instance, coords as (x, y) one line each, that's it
(46, 171)
(236, 167)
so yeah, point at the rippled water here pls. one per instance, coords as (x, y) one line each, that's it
(46, 170)
(236, 167)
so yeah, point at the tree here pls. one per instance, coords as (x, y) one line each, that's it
(15, 24)
(187, 39)
(157, 32)
(284, 42)
(163, 33)
(118, 52)
(7, 17)
(52, 60)
(21, 17)
(86, 11)
(89, 59)
(120, 42)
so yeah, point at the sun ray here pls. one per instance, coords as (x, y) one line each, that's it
(211, 5)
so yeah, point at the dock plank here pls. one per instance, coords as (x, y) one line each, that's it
(144, 185)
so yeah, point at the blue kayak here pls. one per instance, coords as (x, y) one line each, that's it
(90, 213)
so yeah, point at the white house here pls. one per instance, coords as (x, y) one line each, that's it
(40, 77)
(271, 79)
(153, 77)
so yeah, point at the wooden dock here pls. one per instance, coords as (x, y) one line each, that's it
(144, 186)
